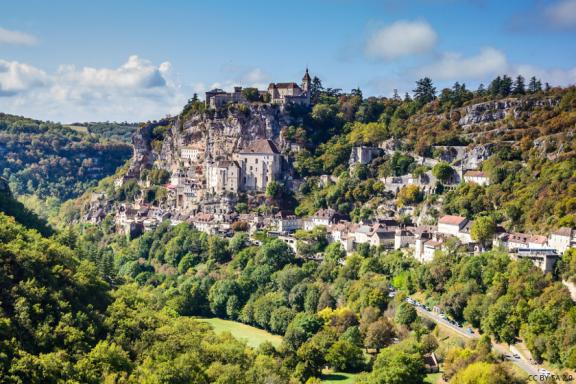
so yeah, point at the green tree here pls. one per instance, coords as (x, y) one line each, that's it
(425, 91)
(251, 94)
(345, 356)
(443, 171)
(483, 230)
(379, 334)
(405, 314)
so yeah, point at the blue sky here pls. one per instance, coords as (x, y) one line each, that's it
(135, 60)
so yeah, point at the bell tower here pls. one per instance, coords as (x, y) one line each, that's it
(306, 82)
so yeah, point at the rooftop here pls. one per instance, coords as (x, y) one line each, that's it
(564, 231)
(261, 146)
(451, 220)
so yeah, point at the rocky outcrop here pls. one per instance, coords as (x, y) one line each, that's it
(497, 110)
(218, 134)
(143, 156)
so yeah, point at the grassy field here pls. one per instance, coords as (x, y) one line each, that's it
(433, 378)
(253, 336)
(338, 378)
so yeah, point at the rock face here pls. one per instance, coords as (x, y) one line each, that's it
(498, 110)
(217, 134)
(143, 156)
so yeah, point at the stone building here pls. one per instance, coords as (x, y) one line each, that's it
(193, 153)
(259, 163)
(286, 93)
(217, 97)
(223, 176)
(364, 154)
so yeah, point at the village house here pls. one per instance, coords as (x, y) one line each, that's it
(522, 240)
(451, 225)
(341, 233)
(562, 239)
(286, 222)
(324, 216)
(426, 243)
(259, 164)
(478, 177)
(404, 238)
(204, 222)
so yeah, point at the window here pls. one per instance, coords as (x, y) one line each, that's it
(256, 161)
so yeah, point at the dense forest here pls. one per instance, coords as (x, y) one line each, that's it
(111, 130)
(50, 161)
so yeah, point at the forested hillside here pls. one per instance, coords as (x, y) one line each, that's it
(48, 160)
(530, 131)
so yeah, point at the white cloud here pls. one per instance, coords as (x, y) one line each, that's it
(137, 90)
(402, 38)
(453, 66)
(239, 76)
(17, 38)
(17, 77)
(554, 76)
(562, 13)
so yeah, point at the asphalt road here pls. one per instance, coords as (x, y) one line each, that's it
(523, 364)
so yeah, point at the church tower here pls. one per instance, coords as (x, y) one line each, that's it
(306, 82)
(307, 86)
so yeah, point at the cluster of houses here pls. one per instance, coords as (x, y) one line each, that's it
(203, 192)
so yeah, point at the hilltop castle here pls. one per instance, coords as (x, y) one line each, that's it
(277, 93)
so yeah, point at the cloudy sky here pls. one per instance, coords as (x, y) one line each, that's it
(133, 60)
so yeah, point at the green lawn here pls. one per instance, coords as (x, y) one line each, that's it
(253, 336)
(338, 378)
(433, 378)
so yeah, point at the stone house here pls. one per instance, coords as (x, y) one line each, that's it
(451, 225)
(562, 239)
(323, 217)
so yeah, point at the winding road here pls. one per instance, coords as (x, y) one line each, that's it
(521, 362)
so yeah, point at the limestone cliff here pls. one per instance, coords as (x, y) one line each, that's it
(217, 134)
(491, 111)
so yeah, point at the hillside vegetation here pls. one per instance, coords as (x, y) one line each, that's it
(48, 160)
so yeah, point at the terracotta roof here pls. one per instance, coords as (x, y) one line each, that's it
(261, 146)
(475, 174)
(518, 237)
(451, 220)
(433, 243)
(538, 239)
